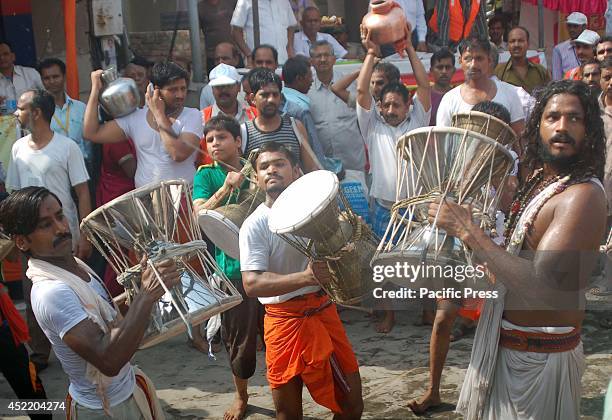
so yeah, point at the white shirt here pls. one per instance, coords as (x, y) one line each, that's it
(262, 250)
(527, 101)
(381, 140)
(275, 16)
(336, 125)
(58, 166)
(58, 309)
(453, 103)
(24, 78)
(415, 15)
(154, 164)
(301, 44)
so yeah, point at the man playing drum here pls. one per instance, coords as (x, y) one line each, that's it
(305, 340)
(89, 337)
(527, 359)
(212, 185)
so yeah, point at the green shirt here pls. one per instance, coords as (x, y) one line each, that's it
(536, 76)
(207, 181)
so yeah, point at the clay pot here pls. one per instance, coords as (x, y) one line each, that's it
(386, 23)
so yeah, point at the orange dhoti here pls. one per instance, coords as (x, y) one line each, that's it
(304, 341)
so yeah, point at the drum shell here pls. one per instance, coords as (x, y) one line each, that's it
(351, 273)
(330, 231)
(248, 201)
(463, 166)
(485, 124)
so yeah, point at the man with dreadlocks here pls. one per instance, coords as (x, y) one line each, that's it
(527, 359)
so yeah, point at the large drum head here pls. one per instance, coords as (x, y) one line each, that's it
(221, 231)
(303, 201)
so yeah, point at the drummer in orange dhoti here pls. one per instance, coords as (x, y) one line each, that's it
(305, 341)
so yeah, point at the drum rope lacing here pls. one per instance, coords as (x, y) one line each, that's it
(429, 198)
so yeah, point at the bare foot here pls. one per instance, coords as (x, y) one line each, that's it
(426, 402)
(386, 324)
(237, 410)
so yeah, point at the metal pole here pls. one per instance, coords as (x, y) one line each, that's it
(541, 24)
(194, 35)
(255, 8)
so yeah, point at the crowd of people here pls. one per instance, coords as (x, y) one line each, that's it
(72, 158)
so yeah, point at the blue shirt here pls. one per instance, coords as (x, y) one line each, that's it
(297, 97)
(73, 129)
(295, 110)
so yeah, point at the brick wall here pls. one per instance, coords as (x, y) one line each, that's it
(155, 46)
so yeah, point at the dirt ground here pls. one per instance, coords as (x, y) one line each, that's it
(393, 370)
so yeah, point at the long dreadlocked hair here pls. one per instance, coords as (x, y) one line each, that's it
(593, 154)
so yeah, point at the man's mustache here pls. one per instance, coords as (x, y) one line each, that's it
(563, 138)
(61, 238)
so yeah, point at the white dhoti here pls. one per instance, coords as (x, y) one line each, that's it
(528, 385)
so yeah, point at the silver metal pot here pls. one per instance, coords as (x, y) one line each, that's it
(121, 96)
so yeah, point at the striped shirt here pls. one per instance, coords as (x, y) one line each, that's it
(284, 134)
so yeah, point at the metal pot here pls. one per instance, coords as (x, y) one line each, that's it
(386, 23)
(121, 96)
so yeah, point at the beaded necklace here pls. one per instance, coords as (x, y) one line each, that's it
(526, 194)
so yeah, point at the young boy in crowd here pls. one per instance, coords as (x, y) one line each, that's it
(216, 184)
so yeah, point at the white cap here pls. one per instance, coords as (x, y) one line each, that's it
(224, 75)
(576, 18)
(588, 37)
